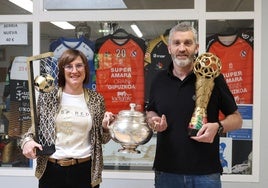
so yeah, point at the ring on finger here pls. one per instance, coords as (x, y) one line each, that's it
(155, 124)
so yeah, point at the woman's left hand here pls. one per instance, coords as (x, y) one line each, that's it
(109, 117)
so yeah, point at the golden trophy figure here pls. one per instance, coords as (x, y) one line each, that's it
(207, 67)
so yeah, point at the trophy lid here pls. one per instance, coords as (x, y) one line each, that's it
(130, 113)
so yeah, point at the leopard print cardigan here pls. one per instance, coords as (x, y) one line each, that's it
(95, 103)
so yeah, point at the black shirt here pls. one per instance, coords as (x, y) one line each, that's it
(175, 98)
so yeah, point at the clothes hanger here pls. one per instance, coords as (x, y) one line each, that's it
(228, 36)
(228, 31)
(120, 34)
(166, 33)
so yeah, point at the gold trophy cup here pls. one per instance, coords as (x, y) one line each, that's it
(207, 67)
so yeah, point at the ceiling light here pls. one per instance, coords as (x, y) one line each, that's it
(25, 4)
(136, 30)
(63, 25)
(104, 30)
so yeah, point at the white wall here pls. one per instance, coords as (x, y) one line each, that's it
(31, 182)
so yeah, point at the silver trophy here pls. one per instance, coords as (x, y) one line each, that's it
(130, 130)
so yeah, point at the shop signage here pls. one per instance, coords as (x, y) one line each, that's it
(13, 34)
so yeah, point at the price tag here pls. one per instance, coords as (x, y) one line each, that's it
(13, 33)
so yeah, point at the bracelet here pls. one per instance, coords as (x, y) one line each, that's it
(25, 140)
(221, 128)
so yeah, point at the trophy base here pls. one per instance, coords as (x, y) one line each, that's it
(47, 150)
(192, 132)
(129, 149)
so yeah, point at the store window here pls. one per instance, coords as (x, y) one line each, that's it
(117, 4)
(229, 5)
(15, 118)
(233, 43)
(154, 27)
(9, 7)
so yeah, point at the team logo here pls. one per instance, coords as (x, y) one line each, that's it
(243, 53)
(134, 53)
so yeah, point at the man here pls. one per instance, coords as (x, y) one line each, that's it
(182, 160)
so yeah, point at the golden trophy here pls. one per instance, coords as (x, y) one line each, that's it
(44, 84)
(207, 67)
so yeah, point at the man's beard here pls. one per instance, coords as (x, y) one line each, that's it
(183, 63)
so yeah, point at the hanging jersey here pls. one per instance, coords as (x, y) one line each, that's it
(82, 44)
(120, 73)
(237, 63)
(156, 58)
(20, 116)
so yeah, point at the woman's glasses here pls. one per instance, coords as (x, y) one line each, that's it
(70, 68)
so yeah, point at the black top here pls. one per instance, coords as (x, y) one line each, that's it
(175, 151)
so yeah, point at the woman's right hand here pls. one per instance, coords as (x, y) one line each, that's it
(29, 149)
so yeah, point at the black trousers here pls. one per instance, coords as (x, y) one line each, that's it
(75, 176)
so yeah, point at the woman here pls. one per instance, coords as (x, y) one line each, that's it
(80, 126)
